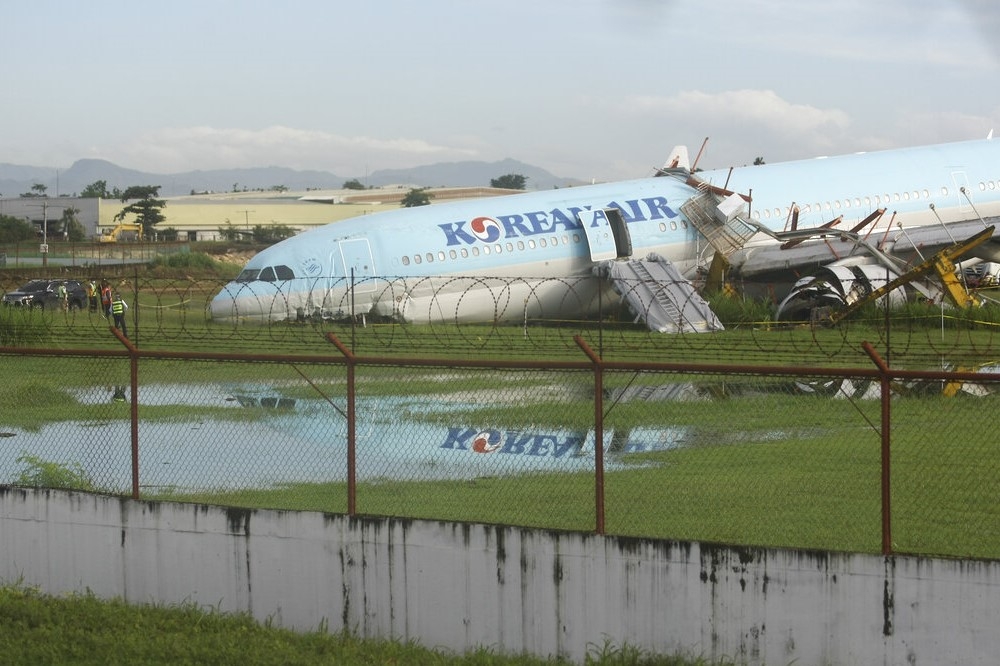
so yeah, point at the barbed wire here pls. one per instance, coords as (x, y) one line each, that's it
(505, 315)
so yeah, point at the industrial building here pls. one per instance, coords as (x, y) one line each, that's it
(204, 217)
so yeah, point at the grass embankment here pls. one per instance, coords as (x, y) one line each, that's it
(82, 629)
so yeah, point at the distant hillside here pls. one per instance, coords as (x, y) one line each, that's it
(17, 179)
(468, 174)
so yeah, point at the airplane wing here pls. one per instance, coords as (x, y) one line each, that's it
(847, 262)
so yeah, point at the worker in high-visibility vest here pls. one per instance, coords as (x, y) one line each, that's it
(118, 308)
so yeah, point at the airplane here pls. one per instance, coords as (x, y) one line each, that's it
(569, 253)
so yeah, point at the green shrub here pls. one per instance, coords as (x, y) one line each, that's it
(39, 473)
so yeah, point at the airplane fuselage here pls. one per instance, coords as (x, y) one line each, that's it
(533, 254)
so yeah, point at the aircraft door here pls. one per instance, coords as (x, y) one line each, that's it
(357, 254)
(607, 234)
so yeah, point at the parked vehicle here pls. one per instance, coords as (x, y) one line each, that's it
(45, 294)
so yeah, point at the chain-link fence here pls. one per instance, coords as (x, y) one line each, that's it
(865, 459)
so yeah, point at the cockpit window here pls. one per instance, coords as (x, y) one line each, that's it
(269, 274)
(248, 275)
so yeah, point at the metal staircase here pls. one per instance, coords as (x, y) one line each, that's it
(661, 297)
(727, 235)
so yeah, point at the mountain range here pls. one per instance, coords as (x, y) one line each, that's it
(17, 179)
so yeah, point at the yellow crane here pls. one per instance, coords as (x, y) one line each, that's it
(943, 263)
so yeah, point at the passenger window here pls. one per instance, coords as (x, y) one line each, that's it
(406, 260)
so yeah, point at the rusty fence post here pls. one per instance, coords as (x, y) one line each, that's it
(133, 360)
(886, 397)
(351, 450)
(598, 432)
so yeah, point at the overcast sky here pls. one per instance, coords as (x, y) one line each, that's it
(591, 89)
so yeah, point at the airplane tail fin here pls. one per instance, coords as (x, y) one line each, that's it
(678, 159)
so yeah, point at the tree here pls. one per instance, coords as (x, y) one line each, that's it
(71, 227)
(511, 181)
(37, 190)
(229, 232)
(147, 208)
(270, 234)
(353, 184)
(418, 196)
(96, 190)
(15, 230)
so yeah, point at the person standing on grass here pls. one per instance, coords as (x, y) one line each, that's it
(92, 295)
(118, 308)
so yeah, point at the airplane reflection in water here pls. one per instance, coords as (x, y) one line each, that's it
(560, 253)
(305, 440)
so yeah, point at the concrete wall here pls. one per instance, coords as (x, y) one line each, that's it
(460, 586)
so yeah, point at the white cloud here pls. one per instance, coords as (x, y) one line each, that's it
(744, 124)
(747, 109)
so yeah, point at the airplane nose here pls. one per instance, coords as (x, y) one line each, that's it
(223, 305)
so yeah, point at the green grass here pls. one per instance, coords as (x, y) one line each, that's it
(821, 480)
(816, 489)
(761, 463)
(82, 629)
(171, 304)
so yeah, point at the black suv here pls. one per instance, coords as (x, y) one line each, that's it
(45, 294)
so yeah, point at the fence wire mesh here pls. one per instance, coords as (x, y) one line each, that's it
(766, 459)
(747, 459)
(714, 452)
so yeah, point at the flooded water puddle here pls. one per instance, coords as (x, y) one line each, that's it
(264, 438)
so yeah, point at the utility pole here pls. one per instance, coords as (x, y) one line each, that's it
(45, 231)
(246, 215)
(45, 235)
